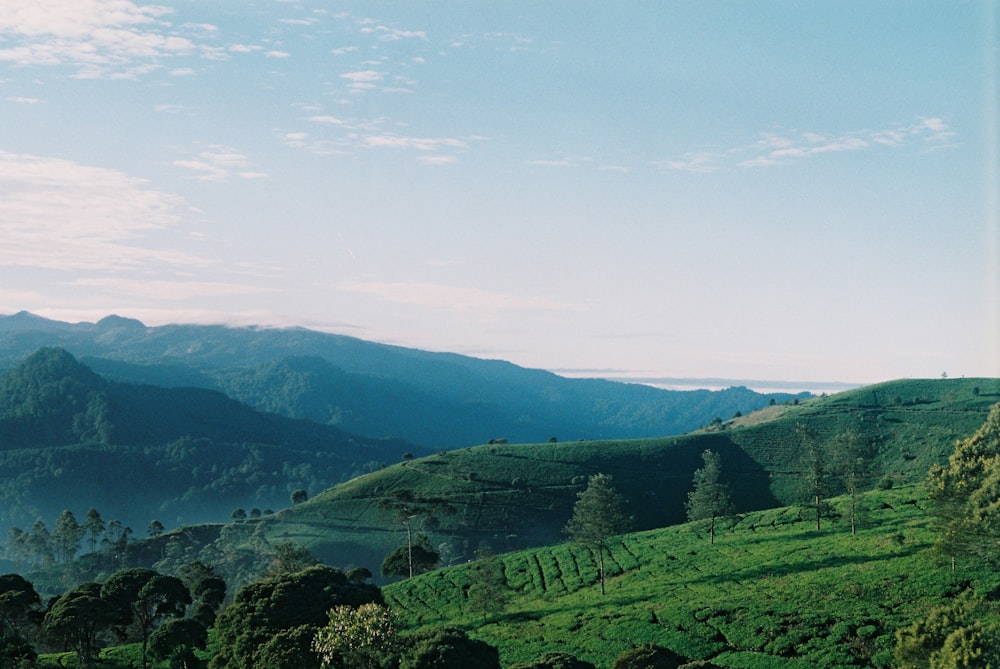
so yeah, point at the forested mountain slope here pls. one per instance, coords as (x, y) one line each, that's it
(70, 439)
(437, 400)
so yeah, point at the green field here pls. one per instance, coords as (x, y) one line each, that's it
(771, 592)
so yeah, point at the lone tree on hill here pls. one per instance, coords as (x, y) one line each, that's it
(710, 498)
(599, 513)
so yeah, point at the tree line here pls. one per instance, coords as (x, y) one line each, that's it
(40, 547)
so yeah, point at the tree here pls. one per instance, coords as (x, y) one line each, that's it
(411, 559)
(407, 509)
(852, 453)
(355, 638)
(77, 618)
(599, 513)
(290, 557)
(299, 496)
(648, 657)
(155, 528)
(965, 515)
(817, 472)
(176, 640)
(94, 526)
(266, 608)
(436, 647)
(40, 544)
(487, 594)
(950, 636)
(142, 597)
(710, 498)
(66, 536)
(20, 609)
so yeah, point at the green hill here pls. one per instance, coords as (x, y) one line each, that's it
(772, 592)
(512, 496)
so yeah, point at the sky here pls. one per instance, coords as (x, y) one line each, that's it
(766, 190)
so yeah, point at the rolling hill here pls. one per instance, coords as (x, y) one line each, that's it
(512, 496)
(435, 400)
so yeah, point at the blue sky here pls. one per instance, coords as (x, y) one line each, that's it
(748, 190)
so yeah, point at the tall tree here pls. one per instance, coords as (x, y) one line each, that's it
(817, 472)
(710, 498)
(412, 558)
(66, 536)
(410, 511)
(94, 525)
(20, 606)
(176, 640)
(851, 460)
(599, 514)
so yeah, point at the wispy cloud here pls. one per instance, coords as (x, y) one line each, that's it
(220, 163)
(169, 290)
(23, 101)
(454, 298)
(61, 215)
(100, 39)
(773, 149)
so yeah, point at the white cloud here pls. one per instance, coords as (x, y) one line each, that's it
(418, 143)
(333, 120)
(58, 214)
(100, 38)
(24, 101)
(438, 160)
(774, 149)
(277, 54)
(219, 163)
(363, 76)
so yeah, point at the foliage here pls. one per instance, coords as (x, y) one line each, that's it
(449, 647)
(142, 598)
(264, 608)
(290, 557)
(648, 657)
(77, 618)
(964, 495)
(487, 594)
(176, 640)
(355, 637)
(410, 560)
(598, 515)
(960, 634)
(554, 660)
(710, 497)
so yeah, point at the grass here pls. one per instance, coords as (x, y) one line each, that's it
(771, 592)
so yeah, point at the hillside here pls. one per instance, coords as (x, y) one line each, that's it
(511, 496)
(70, 439)
(436, 400)
(771, 592)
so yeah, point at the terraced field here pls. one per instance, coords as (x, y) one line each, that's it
(771, 592)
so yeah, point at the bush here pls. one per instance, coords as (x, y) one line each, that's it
(648, 657)
(554, 661)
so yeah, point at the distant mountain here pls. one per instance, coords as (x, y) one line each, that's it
(436, 400)
(70, 439)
